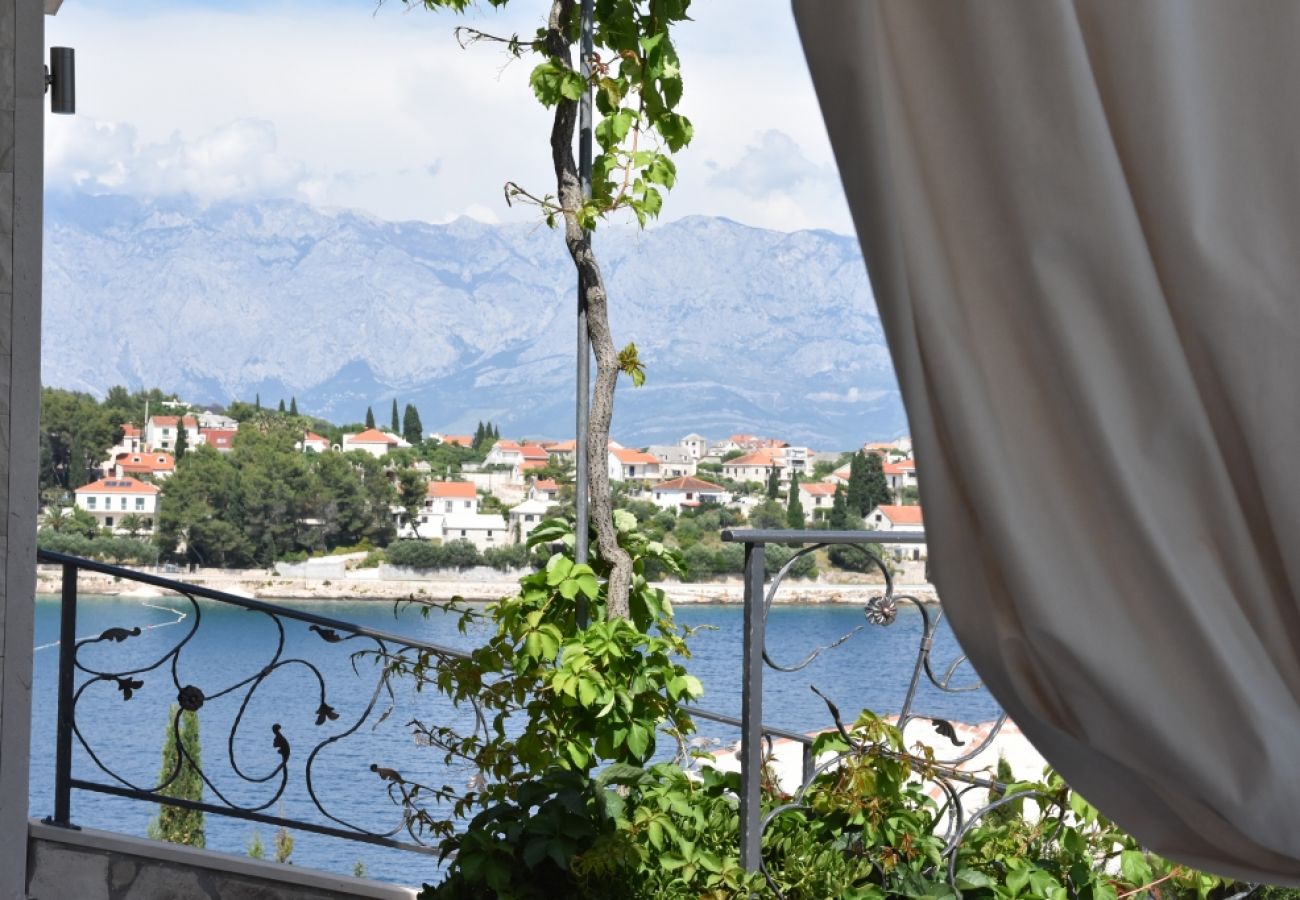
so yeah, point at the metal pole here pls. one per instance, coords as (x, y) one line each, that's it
(63, 739)
(581, 498)
(751, 711)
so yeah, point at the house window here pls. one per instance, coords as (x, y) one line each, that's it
(467, 504)
(90, 503)
(448, 504)
(688, 495)
(139, 503)
(108, 521)
(123, 504)
(463, 533)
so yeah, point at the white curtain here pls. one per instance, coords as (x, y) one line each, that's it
(1082, 224)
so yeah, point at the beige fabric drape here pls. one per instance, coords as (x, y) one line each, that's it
(1082, 223)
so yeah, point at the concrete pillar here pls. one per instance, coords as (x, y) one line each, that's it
(22, 88)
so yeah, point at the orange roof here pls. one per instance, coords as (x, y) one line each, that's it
(630, 457)
(899, 468)
(313, 436)
(742, 439)
(220, 438)
(123, 485)
(533, 451)
(129, 430)
(688, 483)
(562, 446)
(547, 484)
(445, 489)
(145, 463)
(170, 421)
(757, 458)
(903, 515)
(505, 445)
(530, 465)
(371, 436)
(460, 440)
(817, 487)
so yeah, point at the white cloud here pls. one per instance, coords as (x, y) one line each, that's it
(852, 395)
(350, 106)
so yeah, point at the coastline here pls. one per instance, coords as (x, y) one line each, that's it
(261, 585)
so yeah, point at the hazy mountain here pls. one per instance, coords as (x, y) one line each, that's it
(740, 329)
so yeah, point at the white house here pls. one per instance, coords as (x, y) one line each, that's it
(900, 475)
(521, 458)
(483, 531)
(697, 445)
(220, 439)
(674, 461)
(839, 476)
(157, 465)
(902, 519)
(815, 495)
(373, 441)
(756, 466)
(160, 432)
(445, 498)
(688, 492)
(525, 517)
(794, 459)
(110, 499)
(632, 465)
(217, 420)
(314, 443)
(545, 489)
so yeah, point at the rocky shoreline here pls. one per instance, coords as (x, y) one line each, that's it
(262, 585)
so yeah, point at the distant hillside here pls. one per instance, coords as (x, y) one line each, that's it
(741, 329)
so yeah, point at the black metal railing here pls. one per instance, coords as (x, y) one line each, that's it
(77, 676)
(958, 787)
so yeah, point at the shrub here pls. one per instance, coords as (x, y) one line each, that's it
(503, 559)
(413, 554)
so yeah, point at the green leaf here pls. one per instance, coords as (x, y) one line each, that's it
(1134, 867)
(638, 740)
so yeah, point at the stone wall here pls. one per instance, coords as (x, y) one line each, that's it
(97, 865)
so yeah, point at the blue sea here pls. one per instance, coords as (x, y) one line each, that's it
(869, 670)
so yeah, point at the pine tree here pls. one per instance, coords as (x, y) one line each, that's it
(370, 417)
(182, 438)
(174, 823)
(257, 401)
(396, 426)
(773, 484)
(496, 432)
(794, 509)
(281, 409)
(839, 510)
(412, 429)
(479, 436)
(293, 406)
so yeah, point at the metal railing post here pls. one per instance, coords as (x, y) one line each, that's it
(63, 740)
(751, 711)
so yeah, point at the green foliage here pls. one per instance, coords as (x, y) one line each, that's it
(412, 429)
(76, 429)
(370, 417)
(769, 514)
(182, 441)
(108, 548)
(181, 760)
(868, 487)
(839, 517)
(293, 406)
(424, 555)
(283, 845)
(773, 484)
(255, 848)
(396, 426)
(504, 559)
(794, 514)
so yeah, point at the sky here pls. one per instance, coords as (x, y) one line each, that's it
(342, 103)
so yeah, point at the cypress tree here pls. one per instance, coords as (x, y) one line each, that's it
(370, 417)
(173, 823)
(257, 401)
(396, 426)
(412, 429)
(857, 494)
(478, 436)
(877, 486)
(794, 508)
(281, 409)
(839, 510)
(293, 406)
(182, 438)
(76, 464)
(773, 484)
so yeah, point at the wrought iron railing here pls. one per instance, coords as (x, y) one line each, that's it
(957, 786)
(296, 752)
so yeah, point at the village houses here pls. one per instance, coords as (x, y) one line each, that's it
(161, 432)
(373, 441)
(816, 496)
(525, 517)
(899, 519)
(688, 493)
(483, 530)
(632, 465)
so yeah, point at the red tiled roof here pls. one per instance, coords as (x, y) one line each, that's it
(903, 515)
(446, 489)
(899, 468)
(757, 458)
(530, 465)
(460, 440)
(814, 488)
(220, 438)
(170, 421)
(371, 436)
(145, 463)
(313, 436)
(533, 451)
(562, 446)
(687, 483)
(547, 484)
(123, 485)
(631, 457)
(129, 430)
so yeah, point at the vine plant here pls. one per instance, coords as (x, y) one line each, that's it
(637, 82)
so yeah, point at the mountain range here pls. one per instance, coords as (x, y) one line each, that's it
(740, 329)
